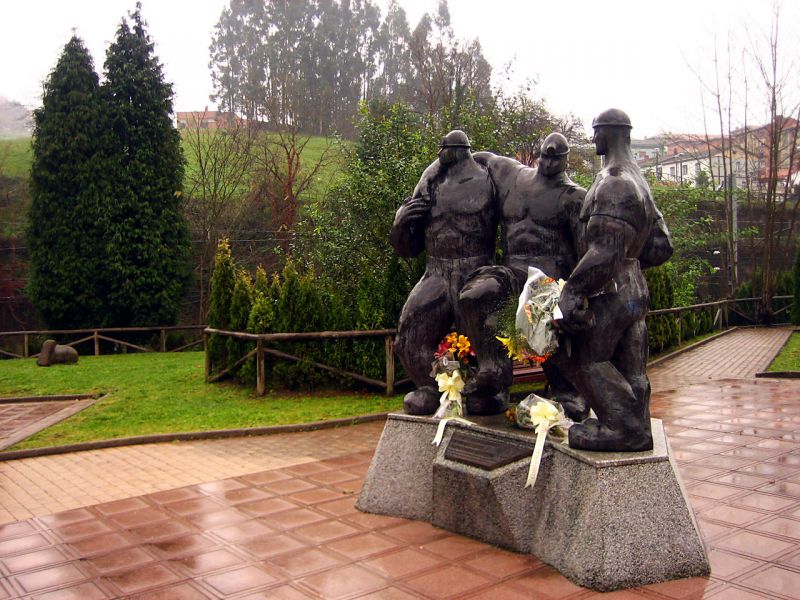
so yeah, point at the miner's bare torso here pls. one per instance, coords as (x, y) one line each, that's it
(537, 219)
(463, 219)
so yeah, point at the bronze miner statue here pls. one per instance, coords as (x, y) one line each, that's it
(539, 227)
(605, 299)
(452, 216)
(53, 353)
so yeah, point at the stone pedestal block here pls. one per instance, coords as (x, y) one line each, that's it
(399, 481)
(605, 520)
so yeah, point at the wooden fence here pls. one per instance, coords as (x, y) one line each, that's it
(97, 334)
(261, 350)
(724, 308)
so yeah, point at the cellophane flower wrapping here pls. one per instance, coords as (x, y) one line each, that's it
(535, 410)
(536, 311)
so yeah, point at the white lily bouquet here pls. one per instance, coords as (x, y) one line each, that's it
(455, 363)
(544, 417)
(534, 338)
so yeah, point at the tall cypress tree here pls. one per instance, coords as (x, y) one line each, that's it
(148, 244)
(66, 219)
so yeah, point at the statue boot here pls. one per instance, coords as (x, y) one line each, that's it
(421, 401)
(623, 416)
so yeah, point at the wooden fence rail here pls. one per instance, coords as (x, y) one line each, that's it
(723, 307)
(100, 333)
(261, 350)
(722, 314)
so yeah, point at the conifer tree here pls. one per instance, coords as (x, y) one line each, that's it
(66, 219)
(241, 305)
(147, 243)
(219, 311)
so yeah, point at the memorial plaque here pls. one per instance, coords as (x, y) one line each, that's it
(481, 452)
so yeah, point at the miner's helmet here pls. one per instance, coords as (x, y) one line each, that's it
(613, 117)
(455, 139)
(555, 144)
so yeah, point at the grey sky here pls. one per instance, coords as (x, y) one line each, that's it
(585, 55)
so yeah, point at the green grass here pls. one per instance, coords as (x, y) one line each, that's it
(788, 358)
(317, 148)
(166, 393)
(15, 157)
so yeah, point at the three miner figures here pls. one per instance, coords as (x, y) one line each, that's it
(597, 240)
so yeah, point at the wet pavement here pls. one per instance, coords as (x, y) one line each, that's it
(274, 516)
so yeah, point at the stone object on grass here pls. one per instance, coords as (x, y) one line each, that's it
(605, 520)
(53, 353)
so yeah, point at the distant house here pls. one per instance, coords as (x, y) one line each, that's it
(742, 158)
(647, 148)
(208, 119)
(684, 167)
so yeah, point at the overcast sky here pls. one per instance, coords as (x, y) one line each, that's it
(585, 55)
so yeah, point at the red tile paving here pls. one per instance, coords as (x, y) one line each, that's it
(20, 420)
(294, 533)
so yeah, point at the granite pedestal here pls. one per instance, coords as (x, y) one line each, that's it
(604, 520)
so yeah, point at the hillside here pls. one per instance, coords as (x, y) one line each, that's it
(16, 156)
(15, 119)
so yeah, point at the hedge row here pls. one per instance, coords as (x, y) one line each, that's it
(667, 331)
(294, 301)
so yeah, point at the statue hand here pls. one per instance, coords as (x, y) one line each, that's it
(418, 207)
(578, 316)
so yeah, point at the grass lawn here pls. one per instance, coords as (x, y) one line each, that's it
(166, 393)
(788, 358)
(15, 157)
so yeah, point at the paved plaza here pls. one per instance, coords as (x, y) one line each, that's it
(274, 517)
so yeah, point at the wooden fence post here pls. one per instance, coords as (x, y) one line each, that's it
(163, 341)
(96, 343)
(261, 375)
(207, 354)
(25, 347)
(679, 328)
(389, 365)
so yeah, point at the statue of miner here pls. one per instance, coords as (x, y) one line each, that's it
(605, 299)
(539, 223)
(452, 215)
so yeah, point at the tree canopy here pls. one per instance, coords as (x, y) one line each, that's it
(147, 239)
(68, 188)
(310, 62)
(109, 244)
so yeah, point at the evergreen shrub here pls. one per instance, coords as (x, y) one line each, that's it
(223, 280)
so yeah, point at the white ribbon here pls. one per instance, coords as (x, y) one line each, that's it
(544, 415)
(450, 384)
(437, 439)
(536, 457)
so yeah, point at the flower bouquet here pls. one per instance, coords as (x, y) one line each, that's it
(543, 416)
(532, 338)
(455, 363)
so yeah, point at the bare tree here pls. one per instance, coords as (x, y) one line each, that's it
(286, 171)
(217, 200)
(780, 149)
(757, 163)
